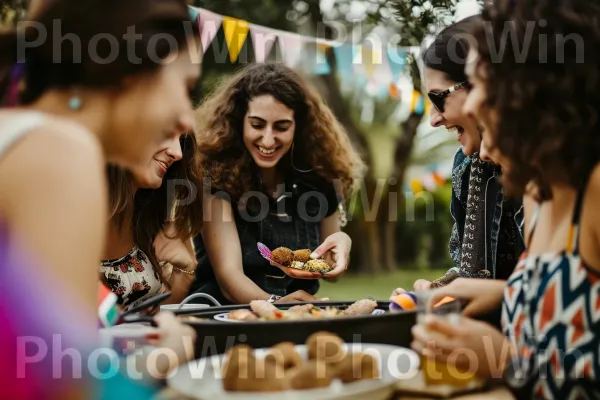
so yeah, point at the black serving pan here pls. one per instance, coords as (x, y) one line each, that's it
(215, 337)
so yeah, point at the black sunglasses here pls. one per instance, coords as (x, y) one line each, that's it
(439, 98)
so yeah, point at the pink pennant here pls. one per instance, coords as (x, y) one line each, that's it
(263, 41)
(209, 26)
(264, 251)
(292, 49)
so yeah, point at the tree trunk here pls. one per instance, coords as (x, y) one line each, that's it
(367, 251)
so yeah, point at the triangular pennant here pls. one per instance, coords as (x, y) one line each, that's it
(394, 92)
(292, 49)
(236, 31)
(371, 59)
(209, 26)
(263, 41)
(396, 58)
(344, 56)
(322, 65)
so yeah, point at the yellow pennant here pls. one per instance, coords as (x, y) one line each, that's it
(236, 31)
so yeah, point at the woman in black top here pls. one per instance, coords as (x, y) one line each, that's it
(277, 166)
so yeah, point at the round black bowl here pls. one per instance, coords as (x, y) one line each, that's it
(215, 337)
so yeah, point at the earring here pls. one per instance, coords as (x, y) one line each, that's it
(305, 171)
(75, 103)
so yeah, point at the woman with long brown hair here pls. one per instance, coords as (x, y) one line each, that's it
(76, 114)
(277, 165)
(155, 212)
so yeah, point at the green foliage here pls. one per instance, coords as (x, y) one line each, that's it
(12, 11)
(423, 234)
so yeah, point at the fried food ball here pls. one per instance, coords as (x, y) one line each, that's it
(356, 367)
(311, 375)
(318, 266)
(285, 355)
(283, 256)
(246, 373)
(240, 354)
(325, 346)
(302, 255)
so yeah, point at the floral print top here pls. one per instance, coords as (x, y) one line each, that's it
(132, 278)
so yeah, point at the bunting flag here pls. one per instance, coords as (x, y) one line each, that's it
(396, 59)
(263, 41)
(291, 45)
(418, 103)
(209, 26)
(322, 67)
(236, 31)
(393, 91)
(374, 61)
(344, 56)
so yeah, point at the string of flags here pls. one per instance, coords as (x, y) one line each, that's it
(381, 68)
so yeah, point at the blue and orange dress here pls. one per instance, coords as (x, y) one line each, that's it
(551, 313)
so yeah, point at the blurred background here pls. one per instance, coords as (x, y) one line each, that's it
(363, 57)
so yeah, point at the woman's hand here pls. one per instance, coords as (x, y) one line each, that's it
(470, 345)
(171, 249)
(335, 249)
(422, 285)
(482, 295)
(299, 295)
(174, 336)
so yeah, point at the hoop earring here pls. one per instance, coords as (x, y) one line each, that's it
(305, 171)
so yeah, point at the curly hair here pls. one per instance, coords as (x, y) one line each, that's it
(319, 137)
(154, 208)
(545, 99)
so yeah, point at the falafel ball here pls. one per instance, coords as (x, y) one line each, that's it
(325, 346)
(311, 375)
(282, 255)
(318, 266)
(356, 367)
(247, 374)
(302, 255)
(285, 355)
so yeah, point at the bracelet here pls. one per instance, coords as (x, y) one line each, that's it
(184, 271)
(273, 298)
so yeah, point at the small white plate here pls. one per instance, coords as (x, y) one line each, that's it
(176, 307)
(224, 317)
(201, 379)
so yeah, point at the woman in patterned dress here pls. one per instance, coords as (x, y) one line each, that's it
(148, 230)
(541, 109)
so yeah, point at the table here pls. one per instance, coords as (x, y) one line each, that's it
(493, 394)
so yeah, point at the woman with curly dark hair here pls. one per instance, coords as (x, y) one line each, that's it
(278, 165)
(540, 104)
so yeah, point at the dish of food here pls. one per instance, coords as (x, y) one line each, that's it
(262, 310)
(296, 259)
(325, 368)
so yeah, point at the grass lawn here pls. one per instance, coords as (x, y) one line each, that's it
(354, 287)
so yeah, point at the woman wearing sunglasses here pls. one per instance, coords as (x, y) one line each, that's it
(486, 237)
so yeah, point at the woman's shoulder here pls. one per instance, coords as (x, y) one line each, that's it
(53, 150)
(41, 128)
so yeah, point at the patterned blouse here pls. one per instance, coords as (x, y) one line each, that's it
(551, 313)
(132, 278)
